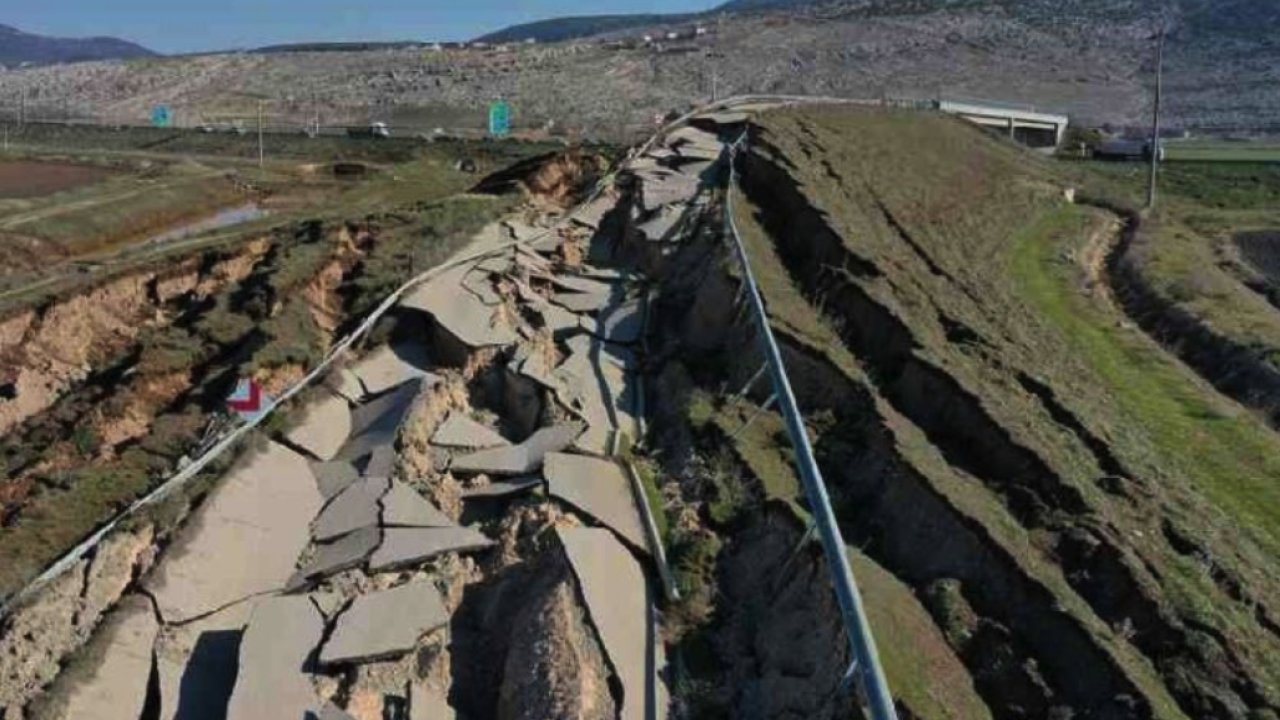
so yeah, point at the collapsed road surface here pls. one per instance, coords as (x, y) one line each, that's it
(449, 524)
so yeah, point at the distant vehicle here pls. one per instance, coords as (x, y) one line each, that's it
(373, 130)
(1126, 149)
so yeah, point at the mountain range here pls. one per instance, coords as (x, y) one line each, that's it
(569, 28)
(18, 47)
(1228, 19)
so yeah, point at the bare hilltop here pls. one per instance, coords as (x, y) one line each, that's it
(1090, 58)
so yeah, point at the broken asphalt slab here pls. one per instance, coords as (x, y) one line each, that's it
(519, 459)
(377, 422)
(402, 547)
(595, 381)
(617, 599)
(334, 477)
(391, 365)
(460, 431)
(600, 489)
(356, 507)
(117, 688)
(197, 662)
(579, 302)
(623, 323)
(592, 214)
(243, 541)
(695, 143)
(666, 187)
(385, 625)
(663, 223)
(345, 383)
(402, 506)
(577, 283)
(462, 314)
(323, 427)
(272, 682)
(348, 551)
(380, 463)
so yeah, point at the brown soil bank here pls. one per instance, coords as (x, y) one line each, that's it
(45, 351)
(112, 388)
(981, 463)
(26, 179)
(1244, 372)
(1262, 251)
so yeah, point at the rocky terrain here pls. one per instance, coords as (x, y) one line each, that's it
(1091, 60)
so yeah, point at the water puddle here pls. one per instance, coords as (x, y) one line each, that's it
(223, 218)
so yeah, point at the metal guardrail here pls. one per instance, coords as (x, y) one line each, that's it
(861, 642)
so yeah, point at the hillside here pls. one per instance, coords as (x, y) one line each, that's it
(17, 47)
(1088, 59)
(569, 28)
(994, 437)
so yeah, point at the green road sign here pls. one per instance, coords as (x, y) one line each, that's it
(499, 118)
(160, 116)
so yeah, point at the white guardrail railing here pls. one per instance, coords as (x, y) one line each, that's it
(866, 659)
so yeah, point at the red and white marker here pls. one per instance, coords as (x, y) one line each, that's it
(248, 399)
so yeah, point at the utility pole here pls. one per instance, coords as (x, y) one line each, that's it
(261, 152)
(715, 77)
(22, 109)
(1155, 120)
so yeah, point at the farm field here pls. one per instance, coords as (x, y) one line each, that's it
(1222, 151)
(25, 179)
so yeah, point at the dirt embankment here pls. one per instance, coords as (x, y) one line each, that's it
(922, 532)
(757, 632)
(37, 638)
(1244, 373)
(148, 408)
(46, 351)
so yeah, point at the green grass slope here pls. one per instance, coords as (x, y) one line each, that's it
(954, 272)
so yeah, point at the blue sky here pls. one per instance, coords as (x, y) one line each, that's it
(193, 25)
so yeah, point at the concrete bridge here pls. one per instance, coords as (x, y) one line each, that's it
(1026, 125)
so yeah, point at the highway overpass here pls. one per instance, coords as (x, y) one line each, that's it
(1026, 125)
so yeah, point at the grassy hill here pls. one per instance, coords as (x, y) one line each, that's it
(1062, 492)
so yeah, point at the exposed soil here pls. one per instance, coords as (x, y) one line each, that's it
(27, 178)
(1262, 251)
(917, 398)
(1237, 370)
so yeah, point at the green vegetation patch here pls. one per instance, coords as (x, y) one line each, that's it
(1226, 453)
(921, 668)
